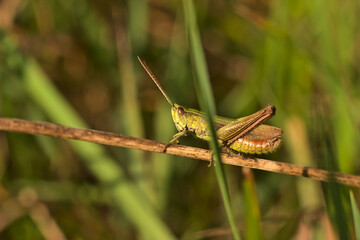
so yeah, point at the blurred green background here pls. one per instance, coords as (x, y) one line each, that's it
(74, 63)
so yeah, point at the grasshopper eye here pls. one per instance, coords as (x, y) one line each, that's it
(180, 111)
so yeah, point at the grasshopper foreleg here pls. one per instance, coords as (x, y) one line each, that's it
(175, 139)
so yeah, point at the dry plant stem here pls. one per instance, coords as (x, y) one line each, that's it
(106, 138)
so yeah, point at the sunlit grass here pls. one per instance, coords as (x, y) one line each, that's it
(300, 56)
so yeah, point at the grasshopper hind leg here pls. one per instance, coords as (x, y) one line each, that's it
(234, 153)
(230, 152)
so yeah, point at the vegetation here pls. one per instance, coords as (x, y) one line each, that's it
(74, 63)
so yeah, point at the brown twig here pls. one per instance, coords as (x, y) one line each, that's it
(106, 138)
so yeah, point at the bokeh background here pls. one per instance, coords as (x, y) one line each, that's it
(74, 63)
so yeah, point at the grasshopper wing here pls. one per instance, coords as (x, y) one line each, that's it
(264, 132)
(241, 126)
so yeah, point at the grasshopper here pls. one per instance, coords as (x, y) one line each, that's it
(243, 135)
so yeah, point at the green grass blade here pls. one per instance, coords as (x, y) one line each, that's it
(130, 103)
(356, 215)
(207, 104)
(252, 209)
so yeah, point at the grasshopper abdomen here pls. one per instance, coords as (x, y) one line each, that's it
(249, 146)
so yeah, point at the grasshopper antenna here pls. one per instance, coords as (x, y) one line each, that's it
(152, 75)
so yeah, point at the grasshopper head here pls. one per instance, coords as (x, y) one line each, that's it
(179, 116)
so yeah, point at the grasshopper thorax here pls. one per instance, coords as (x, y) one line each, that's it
(179, 116)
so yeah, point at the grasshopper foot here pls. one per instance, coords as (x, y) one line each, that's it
(166, 146)
(170, 143)
(212, 161)
(233, 153)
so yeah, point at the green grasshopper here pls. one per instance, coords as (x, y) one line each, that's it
(243, 135)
